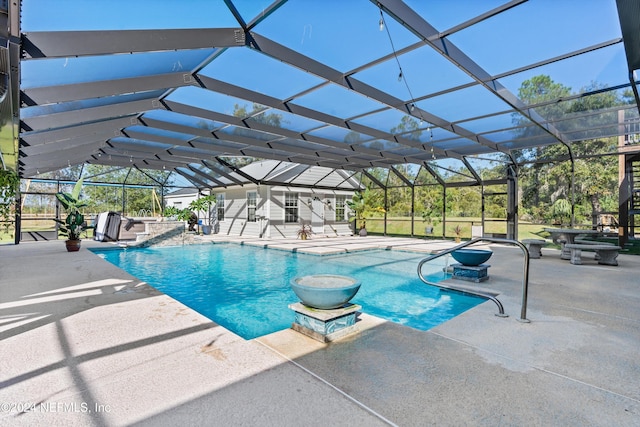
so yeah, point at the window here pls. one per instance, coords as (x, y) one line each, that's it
(220, 207)
(291, 207)
(341, 201)
(252, 198)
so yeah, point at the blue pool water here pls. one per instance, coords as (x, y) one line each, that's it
(246, 289)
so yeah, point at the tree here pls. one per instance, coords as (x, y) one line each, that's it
(204, 204)
(542, 183)
(597, 177)
(538, 90)
(242, 111)
(407, 124)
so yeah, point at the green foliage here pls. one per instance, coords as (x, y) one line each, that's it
(171, 211)
(595, 179)
(428, 203)
(431, 220)
(110, 198)
(179, 214)
(561, 209)
(399, 200)
(184, 214)
(74, 224)
(252, 113)
(408, 124)
(9, 184)
(464, 201)
(203, 203)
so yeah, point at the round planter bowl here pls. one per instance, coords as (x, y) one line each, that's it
(73, 245)
(471, 257)
(325, 291)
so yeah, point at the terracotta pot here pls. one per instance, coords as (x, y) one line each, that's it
(73, 245)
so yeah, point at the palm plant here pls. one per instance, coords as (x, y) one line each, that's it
(204, 204)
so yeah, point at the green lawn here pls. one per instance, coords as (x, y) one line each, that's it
(402, 227)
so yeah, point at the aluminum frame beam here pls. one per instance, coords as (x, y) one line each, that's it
(88, 115)
(112, 125)
(62, 44)
(102, 88)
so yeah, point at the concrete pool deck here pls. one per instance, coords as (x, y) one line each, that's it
(84, 343)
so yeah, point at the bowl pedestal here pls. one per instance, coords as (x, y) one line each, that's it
(325, 325)
(324, 312)
(471, 273)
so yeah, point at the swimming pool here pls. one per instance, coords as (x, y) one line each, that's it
(246, 289)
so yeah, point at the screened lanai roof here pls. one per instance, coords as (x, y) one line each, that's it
(276, 172)
(347, 85)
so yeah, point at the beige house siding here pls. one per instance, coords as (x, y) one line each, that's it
(315, 207)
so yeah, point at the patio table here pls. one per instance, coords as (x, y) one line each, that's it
(569, 236)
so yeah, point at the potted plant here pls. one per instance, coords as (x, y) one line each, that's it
(304, 232)
(204, 203)
(458, 233)
(357, 206)
(74, 224)
(361, 203)
(431, 220)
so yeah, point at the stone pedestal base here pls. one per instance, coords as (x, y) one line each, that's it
(534, 246)
(325, 325)
(478, 273)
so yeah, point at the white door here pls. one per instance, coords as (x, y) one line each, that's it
(317, 215)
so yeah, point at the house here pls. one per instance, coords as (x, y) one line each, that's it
(181, 198)
(271, 198)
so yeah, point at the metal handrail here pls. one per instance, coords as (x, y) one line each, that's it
(525, 279)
